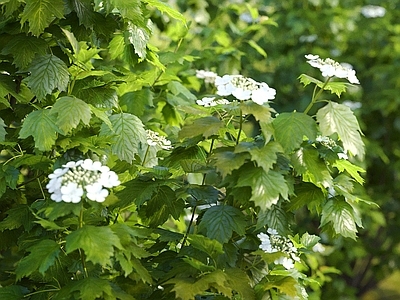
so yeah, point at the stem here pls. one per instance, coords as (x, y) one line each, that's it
(240, 127)
(81, 254)
(315, 96)
(195, 207)
(145, 155)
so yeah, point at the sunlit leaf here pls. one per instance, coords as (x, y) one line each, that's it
(290, 128)
(165, 8)
(206, 126)
(227, 161)
(41, 125)
(70, 112)
(47, 73)
(344, 165)
(3, 132)
(138, 37)
(210, 246)
(128, 134)
(338, 118)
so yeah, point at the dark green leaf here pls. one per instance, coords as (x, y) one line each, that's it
(266, 156)
(3, 132)
(128, 132)
(290, 129)
(97, 242)
(41, 124)
(209, 246)
(13, 292)
(47, 73)
(137, 102)
(307, 194)
(220, 221)
(274, 217)
(227, 161)
(17, 217)
(42, 256)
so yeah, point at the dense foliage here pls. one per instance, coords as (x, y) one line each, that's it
(258, 196)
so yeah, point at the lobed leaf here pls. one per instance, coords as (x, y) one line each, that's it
(290, 129)
(165, 8)
(47, 73)
(344, 165)
(41, 125)
(206, 126)
(338, 118)
(128, 134)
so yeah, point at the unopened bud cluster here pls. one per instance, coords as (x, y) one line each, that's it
(272, 242)
(81, 178)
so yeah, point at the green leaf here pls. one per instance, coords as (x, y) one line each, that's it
(309, 240)
(128, 134)
(16, 217)
(206, 126)
(162, 204)
(47, 73)
(137, 191)
(98, 242)
(220, 221)
(334, 87)
(274, 217)
(42, 256)
(129, 9)
(239, 281)
(341, 216)
(266, 187)
(89, 288)
(306, 161)
(290, 129)
(41, 125)
(178, 88)
(138, 37)
(345, 165)
(227, 161)
(137, 102)
(209, 246)
(307, 194)
(84, 11)
(24, 48)
(13, 292)
(266, 156)
(116, 46)
(40, 13)
(286, 285)
(72, 40)
(70, 111)
(3, 132)
(262, 113)
(165, 8)
(257, 47)
(187, 288)
(338, 118)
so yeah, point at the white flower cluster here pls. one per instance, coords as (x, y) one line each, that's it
(208, 76)
(373, 11)
(211, 101)
(330, 68)
(272, 242)
(331, 144)
(83, 177)
(153, 139)
(243, 88)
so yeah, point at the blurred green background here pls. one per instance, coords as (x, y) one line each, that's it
(267, 40)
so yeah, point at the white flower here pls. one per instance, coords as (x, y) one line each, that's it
(241, 93)
(208, 76)
(272, 231)
(109, 179)
(373, 11)
(287, 263)
(263, 94)
(91, 165)
(331, 68)
(73, 164)
(154, 139)
(96, 192)
(54, 184)
(71, 192)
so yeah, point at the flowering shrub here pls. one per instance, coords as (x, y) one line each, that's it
(202, 205)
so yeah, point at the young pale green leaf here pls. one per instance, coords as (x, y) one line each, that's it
(116, 46)
(70, 111)
(220, 221)
(177, 88)
(24, 48)
(338, 118)
(187, 288)
(72, 40)
(165, 8)
(258, 48)
(286, 285)
(344, 165)
(341, 216)
(47, 73)
(97, 242)
(290, 129)
(207, 245)
(128, 132)
(266, 187)
(227, 161)
(239, 281)
(334, 87)
(3, 132)
(306, 161)
(40, 13)
(206, 126)
(42, 256)
(41, 125)
(306, 80)
(309, 240)
(138, 37)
